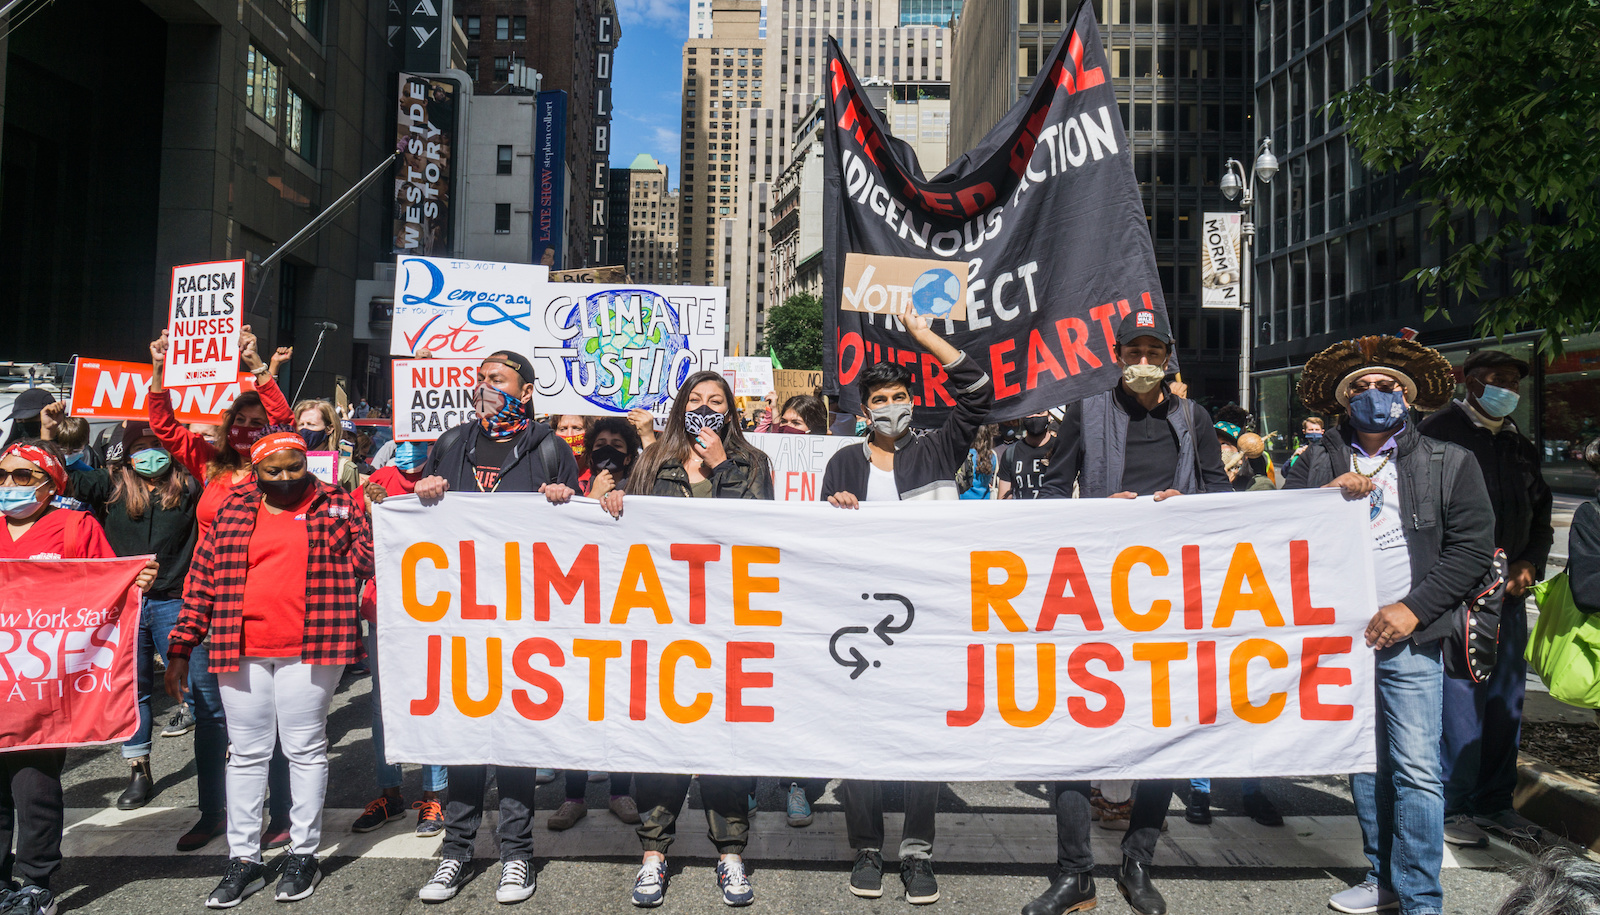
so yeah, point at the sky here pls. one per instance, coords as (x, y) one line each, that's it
(646, 84)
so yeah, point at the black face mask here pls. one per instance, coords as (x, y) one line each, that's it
(1036, 425)
(286, 492)
(314, 438)
(1008, 434)
(606, 457)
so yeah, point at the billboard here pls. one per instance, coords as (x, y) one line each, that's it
(1220, 263)
(550, 177)
(425, 138)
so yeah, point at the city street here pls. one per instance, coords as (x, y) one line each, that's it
(994, 853)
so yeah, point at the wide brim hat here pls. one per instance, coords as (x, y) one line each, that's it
(1423, 371)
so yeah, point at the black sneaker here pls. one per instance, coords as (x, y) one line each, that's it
(383, 810)
(30, 900)
(300, 877)
(1260, 808)
(917, 875)
(866, 878)
(243, 878)
(445, 882)
(180, 723)
(1198, 811)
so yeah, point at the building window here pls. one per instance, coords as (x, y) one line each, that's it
(309, 12)
(261, 86)
(472, 68)
(502, 28)
(300, 125)
(502, 68)
(474, 28)
(502, 160)
(502, 219)
(519, 28)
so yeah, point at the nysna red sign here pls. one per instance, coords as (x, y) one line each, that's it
(105, 389)
(69, 631)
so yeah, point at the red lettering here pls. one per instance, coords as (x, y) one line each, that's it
(697, 555)
(1068, 571)
(740, 680)
(934, 376)
(999, 368)
(526, 707)
(636, 679)
(1206, 678)
(1300, 587)
(1073, 334)
(1040, 360)
(1312, 676)
(974, 710)
(850, 345)
(1078, 670)
(1103, 313)
(584, 575)
(1194, 612)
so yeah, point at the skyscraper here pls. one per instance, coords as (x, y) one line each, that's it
(652, 222)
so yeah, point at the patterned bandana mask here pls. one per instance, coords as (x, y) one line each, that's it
(703, 417)
(510, 419)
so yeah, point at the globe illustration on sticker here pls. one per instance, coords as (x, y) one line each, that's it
(935, 292)
(625, 331)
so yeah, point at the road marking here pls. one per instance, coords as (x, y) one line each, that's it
(977, 838)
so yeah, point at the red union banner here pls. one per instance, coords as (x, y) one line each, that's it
(69, 633)
(104, 389)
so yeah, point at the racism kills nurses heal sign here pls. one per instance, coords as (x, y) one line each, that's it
(1218, 634)
(203, 323)
(1044, 211)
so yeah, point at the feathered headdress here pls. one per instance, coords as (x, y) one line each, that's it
(1423, 371)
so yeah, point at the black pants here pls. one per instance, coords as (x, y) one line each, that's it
(726, 798)
(863, 816)
(578, 779)
(31, 808)
(1150, 799)
(463, 812)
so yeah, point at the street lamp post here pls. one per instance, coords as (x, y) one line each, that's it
(1234, 182)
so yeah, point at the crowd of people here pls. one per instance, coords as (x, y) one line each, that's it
(260, 597)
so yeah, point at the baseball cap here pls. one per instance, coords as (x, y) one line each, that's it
(1493, 359)
(516, 362)
(123, 435)
(29, 403)
(1144, 322)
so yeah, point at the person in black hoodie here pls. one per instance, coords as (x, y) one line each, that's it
(1483, 721)
(506, 450)
(1583, 544)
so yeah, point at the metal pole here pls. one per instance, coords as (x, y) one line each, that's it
(1247, 234)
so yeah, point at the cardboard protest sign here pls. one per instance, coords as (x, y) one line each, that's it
(879, 285)
(791, 382)
(431, 396)
(69, 641)
(458, 308)
(615, 273)
(798, 461)
(602, 349)
(754, 375)
(105, 389)
(937, 641)
(203, 323)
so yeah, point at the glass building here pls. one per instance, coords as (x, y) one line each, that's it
(929, 12)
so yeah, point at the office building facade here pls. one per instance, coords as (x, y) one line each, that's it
(651, 220)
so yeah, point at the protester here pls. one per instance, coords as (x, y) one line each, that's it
(643, 422)
(71, 435)
(1241, 469)
(1583, 544)
(1483, 721)
(1424, 567)
(703, 454)
(506, 450)
(318, 424)
(32, 810)
(613, 446)
(574, 430)
(893, 465)
(1310, 434)
(802, 414)
(24, 414)
(1022, 471)
(976, 477)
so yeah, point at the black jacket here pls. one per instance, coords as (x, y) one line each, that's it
(1583, 558)
(537, 457)
(738, 477)
(1450, 546)
(925, 466)
(168, 533)
(1070, 461)
(1510, 465)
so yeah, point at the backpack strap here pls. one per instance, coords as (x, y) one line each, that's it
(72, 534)
(548, 457)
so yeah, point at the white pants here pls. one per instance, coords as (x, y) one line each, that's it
(269, 700)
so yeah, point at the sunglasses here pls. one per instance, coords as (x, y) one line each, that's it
(1387, 387)
(22, 476)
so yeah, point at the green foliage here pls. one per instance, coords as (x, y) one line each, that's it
(794, 332)
(1498, 101)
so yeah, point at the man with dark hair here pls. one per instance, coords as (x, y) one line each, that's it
(893, 465)
(1483, 721)
(1137, 439)
(1022, 469)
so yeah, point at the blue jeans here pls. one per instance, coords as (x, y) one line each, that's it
(1401, 808)
(1246, 785)
(1483, 725)
(434, 778)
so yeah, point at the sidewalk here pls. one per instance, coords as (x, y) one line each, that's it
(1554, 798)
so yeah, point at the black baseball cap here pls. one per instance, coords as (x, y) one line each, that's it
(1144, 322)
(1493, 359)
(123, 435)
(516, 362)
(30, 403)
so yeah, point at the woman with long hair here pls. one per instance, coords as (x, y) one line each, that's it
(976, 477)
(803, 414)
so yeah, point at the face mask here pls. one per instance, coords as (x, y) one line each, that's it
(1313, 436)
(1036, 425)
(703, 417)
(74, 459)
(314, 438)
(20, 502)
(408, 456)
(1141, 379)
(1498, 402)
(1377, 411)
(892, 420)
(575, 442)
(151, 462)
(1008, 434)
(241, 439)
(286, 492)
(606, 457)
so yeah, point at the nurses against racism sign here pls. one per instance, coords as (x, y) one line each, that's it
(431, 396)
(69, 632)
(203, 323)
(1218, 634)
(1044, 213)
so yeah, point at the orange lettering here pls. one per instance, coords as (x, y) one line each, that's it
(1121, 605)
(1160, 655)
(596, 651)
(745, 584)
(1006, 672)
(987, 594)
(670, 656)
(1245, 568)
(1239, 684)
(414, 554)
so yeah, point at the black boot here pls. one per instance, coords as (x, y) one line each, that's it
(1199, 810)
(140, 784)
(1068, 893)
(1134, 882)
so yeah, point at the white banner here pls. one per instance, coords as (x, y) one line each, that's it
(203, 323)
(324, 465)
(798, 461)
(1220, 261)
(432, 395)
(1216, 635)
(463, 309)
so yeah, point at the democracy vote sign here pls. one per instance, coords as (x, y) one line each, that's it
(459, 308)
(1044, 213)
(431, 396)
(106, 389)
(203, 323)
(798, 461)
(69, 634)
(933, 641)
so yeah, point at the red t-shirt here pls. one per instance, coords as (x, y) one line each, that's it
(394, 481)
(47, 538)
(274, 588)
(216, 492)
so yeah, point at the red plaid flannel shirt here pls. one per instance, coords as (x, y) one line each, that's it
(340, 557)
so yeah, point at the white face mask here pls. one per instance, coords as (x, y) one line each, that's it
(1142, 378)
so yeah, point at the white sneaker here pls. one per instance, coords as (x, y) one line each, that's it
(1461, 831)
(516, 882)
(446, 881)
(1363, 899)
(650, 886)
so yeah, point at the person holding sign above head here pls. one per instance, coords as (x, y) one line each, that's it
(1137, 439)
(506, 450)
(32, 474)
(890, 466)
(1432, 529)
(700, 454)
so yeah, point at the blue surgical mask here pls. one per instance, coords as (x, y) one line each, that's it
(1378, 411)
(409, 456)
(75, 460)
(151, 462)
(1498, 402)
(20, 502)
(1313, 436)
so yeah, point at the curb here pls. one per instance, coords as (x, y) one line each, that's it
(1558, 800)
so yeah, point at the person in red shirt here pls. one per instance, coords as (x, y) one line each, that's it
(32, 474)
(274, 589)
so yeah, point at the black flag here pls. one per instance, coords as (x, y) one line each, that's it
(1045, 212)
